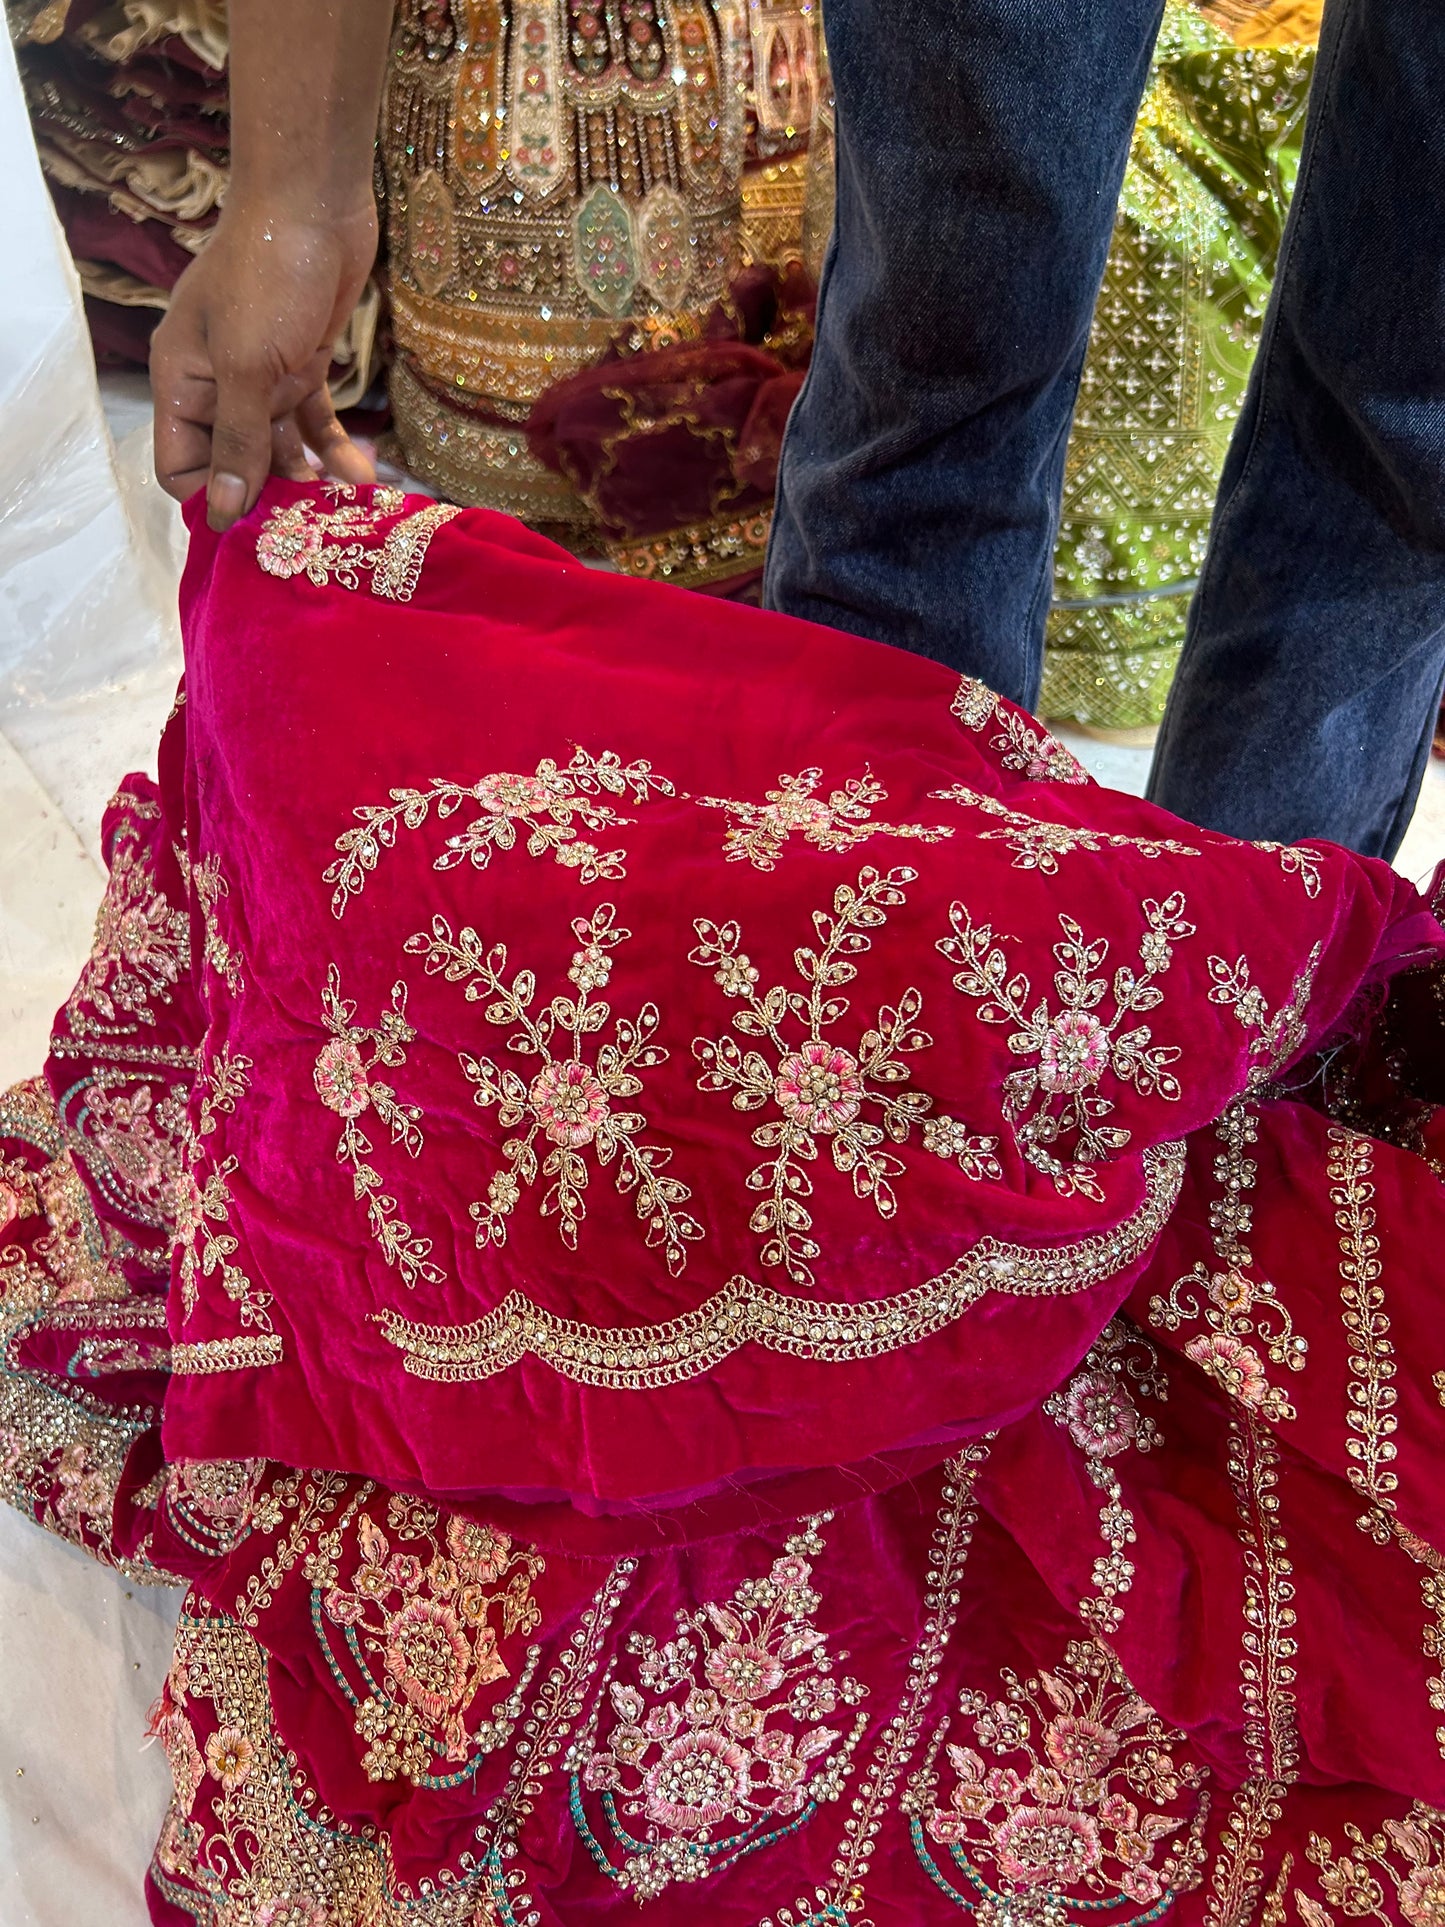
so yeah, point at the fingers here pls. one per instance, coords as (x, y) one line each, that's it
(185, 404)
(325, 436)
(240, 445)
(288, 451)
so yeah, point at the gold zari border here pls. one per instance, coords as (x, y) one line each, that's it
(643, 1357)
(226, 1355)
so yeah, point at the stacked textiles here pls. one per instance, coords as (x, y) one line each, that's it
(130, 108)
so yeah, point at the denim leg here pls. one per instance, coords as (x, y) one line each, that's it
(1316, 649)
(981, 146)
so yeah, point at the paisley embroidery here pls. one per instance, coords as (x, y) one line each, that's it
(548, 805)
(840, 822)
(1038, 844)
(1033, 753)
(344, 1080)
(1054, 1105)
(723, 1746)
(414, 1635)
(817, 1089)
(333, 544)
(569, 1102)
(1072, 1797)
(1235, 1306)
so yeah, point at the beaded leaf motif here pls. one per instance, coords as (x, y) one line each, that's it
(346, 1084)
(815, 1090)
(566, 1111)
(1054, 1104)
(759, 832)
(547, 805)
(1020, 748)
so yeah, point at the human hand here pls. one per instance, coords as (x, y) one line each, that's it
(239, 362)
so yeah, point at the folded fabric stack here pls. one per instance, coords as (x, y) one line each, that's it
(131, 113)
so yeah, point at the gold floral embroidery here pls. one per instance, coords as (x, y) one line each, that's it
(548, 805)
(629, 1358)
(1298, 860)
(207, 1246)
(1054, 1105)
(1273, 1040)
(345, 1083)
(141, 946)
(725, 1725)
(947, 1558)
(1402, 1866)
(818, 1089)
(1038, 843)
(1267, 1675)
(421, 1624)
(331, 545)
(210, 886)
(838, 823)
(1033, 753)
(1371, 1417)
(1099, 1410)
(569, 1100)
(1071, 1783)
(1235, 1306)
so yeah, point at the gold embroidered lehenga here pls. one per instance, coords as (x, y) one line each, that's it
(796, 1343)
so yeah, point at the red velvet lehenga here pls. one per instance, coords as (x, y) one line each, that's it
(730, 1287)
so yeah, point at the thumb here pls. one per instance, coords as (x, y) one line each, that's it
(240, 446)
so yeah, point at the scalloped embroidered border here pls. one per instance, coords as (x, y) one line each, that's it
(206, 1355)
(629, 1358)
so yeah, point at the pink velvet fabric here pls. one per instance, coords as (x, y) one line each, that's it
(309, 703)
(1121, 1595)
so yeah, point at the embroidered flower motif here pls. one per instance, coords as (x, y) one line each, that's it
(340, 1077)
(549, 806)
(1079, 1747)
(568, 1102)
(1019, 746)
(574, 1100)
(481, 1552)
(1231, 1291)
(699, 1779)
(1232, 1364)
(744, 1746)
(1101, 1416)
(759, 832)
(1063, 1822)
(1046, 1846)
(229, 1757)
(140, 950)
(433, 1611)
(817, 1090)
(346, 1082)
(1422, 1897)
(1074, 1052)
(288, 547)
(427, 1656)
(1057, 1118)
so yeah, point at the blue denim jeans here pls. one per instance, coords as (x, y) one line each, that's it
(981, 145)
